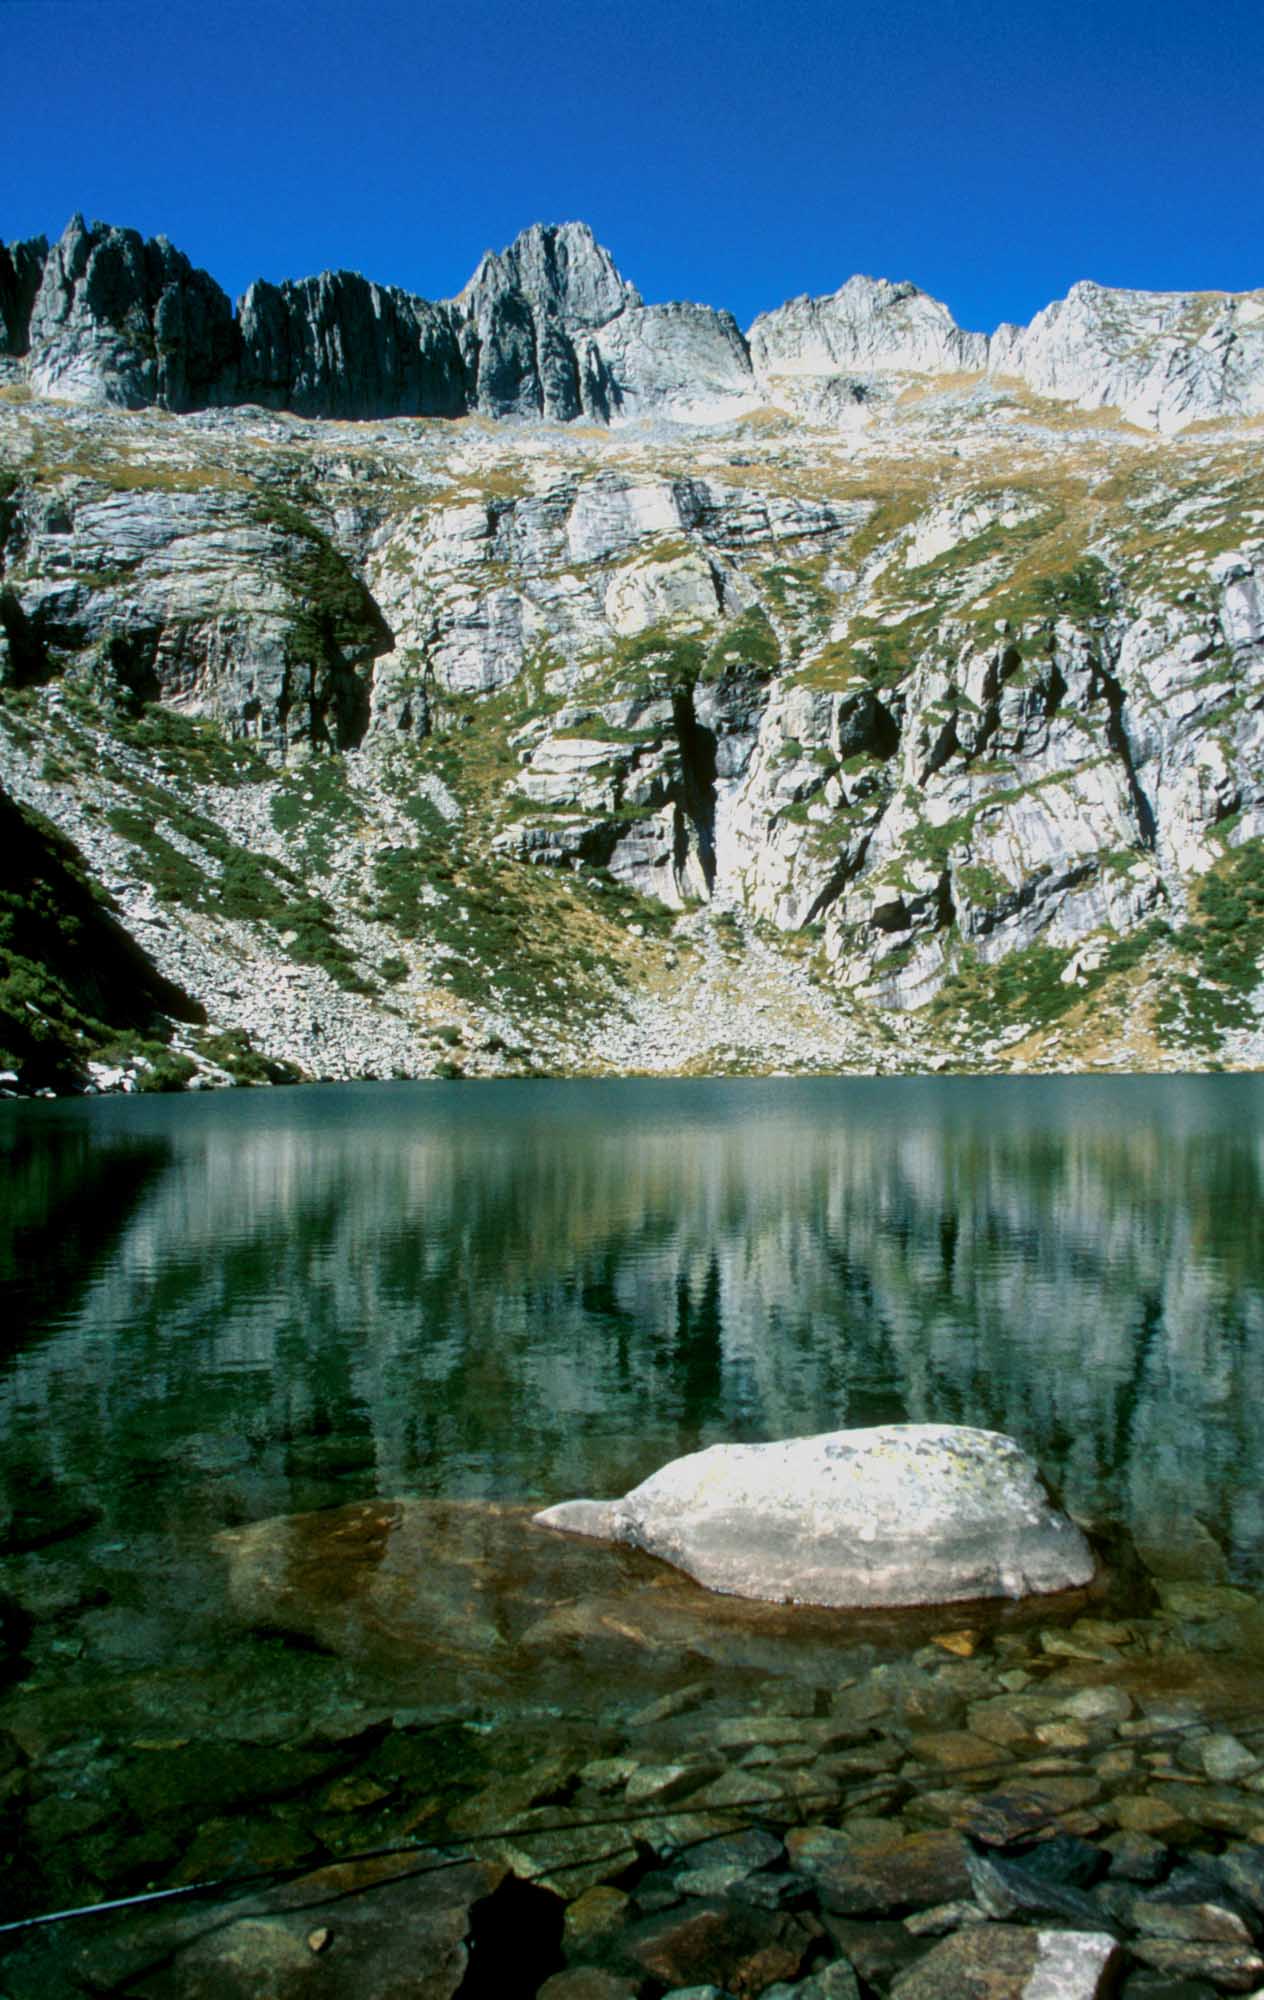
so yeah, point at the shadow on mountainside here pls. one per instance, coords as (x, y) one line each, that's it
(70, 976)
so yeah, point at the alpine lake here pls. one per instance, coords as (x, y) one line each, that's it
(286, 1372)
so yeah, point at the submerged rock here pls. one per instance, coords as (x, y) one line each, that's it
(898, 1514)
(1004, 1962)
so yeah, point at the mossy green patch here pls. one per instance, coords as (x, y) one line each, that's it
(191, 747)
(983, 886)
(1027, 986)
(228, 880)
(231, 1049)
(658, 661)
(1223, 946)
(315, 809)
(748, 642)
(496, 933)
(798, 593)
(1085, 591)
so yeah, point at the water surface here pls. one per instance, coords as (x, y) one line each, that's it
(218, 1308)
(282, 1373)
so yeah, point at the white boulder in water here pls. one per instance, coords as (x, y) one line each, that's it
(899, 1514)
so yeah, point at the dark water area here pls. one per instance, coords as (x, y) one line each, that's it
(282, 1374)
(220, 1308)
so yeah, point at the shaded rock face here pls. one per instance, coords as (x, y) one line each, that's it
(21, 269)
(220, 601)
(899, 1514)
(124, 321)
(108, 974)
(339, 346)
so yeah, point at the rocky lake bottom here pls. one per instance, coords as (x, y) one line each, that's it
(289, 1372)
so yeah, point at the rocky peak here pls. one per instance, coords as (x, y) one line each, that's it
(559, 268)
(1164, 359)
(529, 314)
(118, 319)
(868, 324)
(549, 328)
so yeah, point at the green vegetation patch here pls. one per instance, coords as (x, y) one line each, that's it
(499, 931)
(658, 661)
(748, 642)
(1035, 595)
(870, 654)
(230, 881)
(1027, 986)
(231, 1049)
(1024, 986)
(314, 808)
(798, 592)
(1224, 949)
(1085, 591)
(190, 747)
(984, 886)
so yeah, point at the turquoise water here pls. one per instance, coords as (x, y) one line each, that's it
(222, 1308)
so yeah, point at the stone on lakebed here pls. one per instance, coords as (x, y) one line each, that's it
(900, 1514)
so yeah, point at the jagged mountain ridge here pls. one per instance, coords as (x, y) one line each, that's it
(912, 727)
(549, 327)
(546, 328)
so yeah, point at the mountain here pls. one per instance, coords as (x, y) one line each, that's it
(546, 328)
(550, 328)
(544, 679)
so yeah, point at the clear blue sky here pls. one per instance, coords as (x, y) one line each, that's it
(993, 150)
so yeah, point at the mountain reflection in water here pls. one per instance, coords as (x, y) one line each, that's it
(220, 1309)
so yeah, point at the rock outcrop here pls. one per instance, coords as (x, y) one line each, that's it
(868, 328)
(21, 269)
(900, 1514)
(220, 601)
(686, 362)
(339, 346)
(1163, 359)
(121, 320)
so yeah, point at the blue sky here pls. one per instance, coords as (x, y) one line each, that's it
(730, 152)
